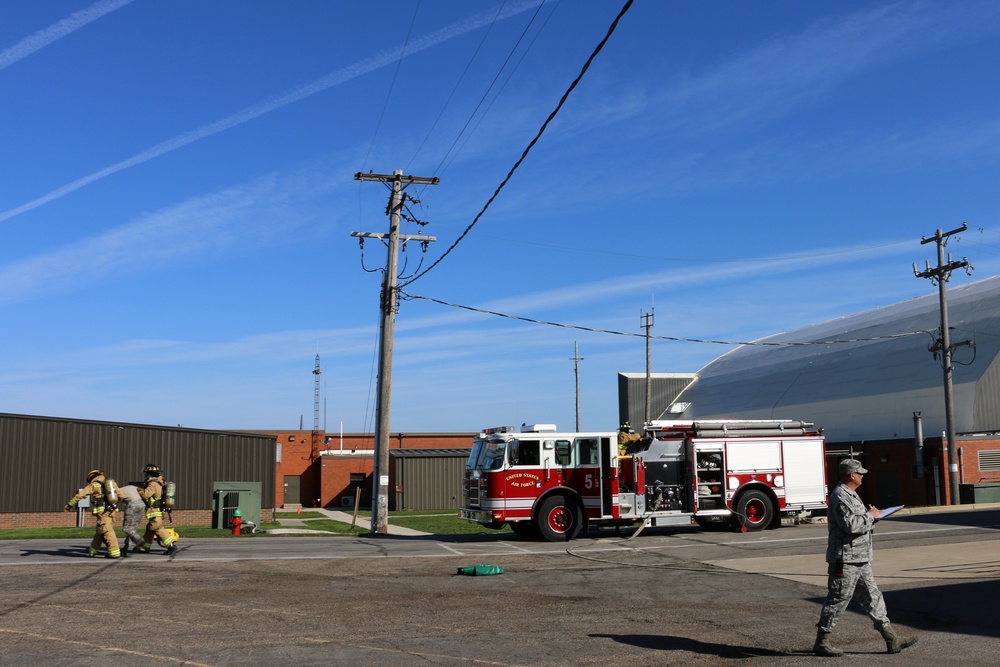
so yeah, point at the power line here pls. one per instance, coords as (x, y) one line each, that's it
(671, 338)
(524, 155)
(482, 99)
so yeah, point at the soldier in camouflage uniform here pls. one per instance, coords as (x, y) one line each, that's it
(849, 556)
(135, 511)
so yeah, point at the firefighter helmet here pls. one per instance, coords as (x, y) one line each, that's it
(626, 427)
(92, 474)
(151, 470)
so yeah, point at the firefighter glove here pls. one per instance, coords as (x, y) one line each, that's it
(67, 507)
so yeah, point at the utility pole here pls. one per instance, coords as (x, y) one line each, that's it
(576, 359)
(380, 476)
(940, 275)
(647, 324)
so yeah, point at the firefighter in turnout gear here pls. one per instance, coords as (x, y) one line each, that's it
(152, 494)
(626, 437)
(103, 498)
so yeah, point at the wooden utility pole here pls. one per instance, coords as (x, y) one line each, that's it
(647, 324)
(939, 275)
(380, 476)
(576, 359)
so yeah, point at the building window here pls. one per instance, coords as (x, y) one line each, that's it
(989, 460)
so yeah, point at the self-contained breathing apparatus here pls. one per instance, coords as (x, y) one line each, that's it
(164, 500)
(105, 492)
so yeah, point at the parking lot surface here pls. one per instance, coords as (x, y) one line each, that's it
(678, 597)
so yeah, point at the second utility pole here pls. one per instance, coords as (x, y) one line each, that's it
(940, 275)
(380, 476)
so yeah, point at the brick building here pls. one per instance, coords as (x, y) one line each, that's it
(316, 469)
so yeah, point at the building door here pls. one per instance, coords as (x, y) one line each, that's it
(887, 489)
(293, 490)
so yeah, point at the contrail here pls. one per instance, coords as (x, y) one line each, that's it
(345, 74)
(43, 38)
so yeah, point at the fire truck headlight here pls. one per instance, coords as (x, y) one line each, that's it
(779, 480)
(734, 483)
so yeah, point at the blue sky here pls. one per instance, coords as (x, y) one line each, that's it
(177, 195)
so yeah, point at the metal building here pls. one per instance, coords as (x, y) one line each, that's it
(426, 479)
(46, 459)
(664, 389)
(868, 389)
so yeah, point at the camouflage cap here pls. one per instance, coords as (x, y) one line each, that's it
(847, 466)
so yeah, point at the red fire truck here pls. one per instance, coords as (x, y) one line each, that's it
(547, 484)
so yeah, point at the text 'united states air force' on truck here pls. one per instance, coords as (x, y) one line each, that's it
(549, 484)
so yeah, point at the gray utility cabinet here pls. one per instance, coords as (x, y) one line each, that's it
(228, 496)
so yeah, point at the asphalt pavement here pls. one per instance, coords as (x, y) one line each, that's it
(665, 597)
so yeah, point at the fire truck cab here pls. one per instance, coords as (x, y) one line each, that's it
(543, 483)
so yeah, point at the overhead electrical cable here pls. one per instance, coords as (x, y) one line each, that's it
(524, 155)
(678, 339)
(482, 99)
(455, 89)
(441, 169)
(392, 84)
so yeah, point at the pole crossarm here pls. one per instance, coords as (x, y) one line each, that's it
(388, 178)
(401, 237)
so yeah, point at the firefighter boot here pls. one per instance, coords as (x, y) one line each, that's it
(895, 643)
(823, 647)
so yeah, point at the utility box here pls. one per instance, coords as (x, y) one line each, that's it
(971, 494)
(227, 497)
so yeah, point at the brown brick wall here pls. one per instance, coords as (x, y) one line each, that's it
(328, 480)
(68, 519)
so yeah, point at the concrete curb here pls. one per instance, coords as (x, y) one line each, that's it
(298, 525)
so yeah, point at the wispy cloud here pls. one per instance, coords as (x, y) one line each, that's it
(787, 72)
(58, 30)
(281, 100)
(254, 213)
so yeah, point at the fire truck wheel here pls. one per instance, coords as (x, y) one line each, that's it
(559, 520)
(754, 510)
(525, 529)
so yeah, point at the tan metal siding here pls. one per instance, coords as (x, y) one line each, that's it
(428, 482)
(46, 459)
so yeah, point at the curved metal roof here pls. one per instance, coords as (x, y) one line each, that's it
(867, 389)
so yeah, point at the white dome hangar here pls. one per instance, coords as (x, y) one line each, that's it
(868, 389)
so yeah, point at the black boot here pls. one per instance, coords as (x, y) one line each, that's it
(125, 548)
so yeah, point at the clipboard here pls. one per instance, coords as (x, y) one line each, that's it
(888, 511)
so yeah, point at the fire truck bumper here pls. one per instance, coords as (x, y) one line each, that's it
(482, 516)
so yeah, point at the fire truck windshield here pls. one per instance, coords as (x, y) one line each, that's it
(476, 455)
(493, 459)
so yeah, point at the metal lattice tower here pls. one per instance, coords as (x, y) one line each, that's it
(317, 372)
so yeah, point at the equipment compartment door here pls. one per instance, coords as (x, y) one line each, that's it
(805, 471)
